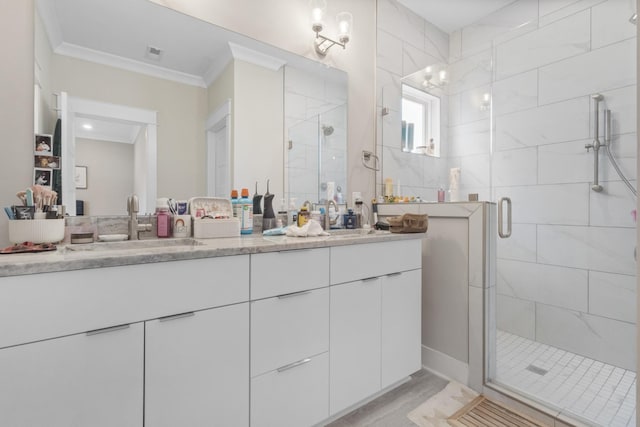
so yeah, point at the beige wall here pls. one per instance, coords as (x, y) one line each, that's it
(16, 109)
(181, 111)
(285, 24)
(258, 131)
(109, 176)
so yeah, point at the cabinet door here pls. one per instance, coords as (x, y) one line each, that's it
(197, 368)
(92, 380)
(354, 342)
(401, 325)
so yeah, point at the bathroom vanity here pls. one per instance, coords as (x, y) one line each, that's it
(232, 332)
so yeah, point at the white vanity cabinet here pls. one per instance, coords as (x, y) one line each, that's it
(93, 379)
(196, 368)
(290, 338)
(375, 318)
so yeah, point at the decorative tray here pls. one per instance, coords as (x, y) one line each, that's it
(28, 247)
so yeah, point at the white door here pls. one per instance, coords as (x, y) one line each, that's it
(401, 326)
(219, 152)
(354, 342)
(197, 369)
(89, 380)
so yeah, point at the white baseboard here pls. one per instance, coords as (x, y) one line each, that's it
(445, 366)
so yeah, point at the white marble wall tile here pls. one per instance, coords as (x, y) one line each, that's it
(472, 108)
(455, 109)
(612, 296)
(565, 162)
(554, 10)
(300, 82)
(317, 106)
(414, 59)
(596, 337)
(389, 53)
(392, 129)
(295, 105)
(562, 39)
(516, 316)
(610, 67)
(436, 42)
(610, 22)
(515, 167)
(563, 121)
(557, 286)
(336, 93)
(389, 89)
(396, 19)
(612, 207)
(435, 170)
(606, 249)
(455, 46)
(471, 71)
(521, 246)
(475, 171)
(624, 150)
(549, 204)
(622, 103)
(505, 22)
(516, 93)
(406, 167)
(471, 138)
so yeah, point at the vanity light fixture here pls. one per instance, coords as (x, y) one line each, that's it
(345, 24)
(430, 83)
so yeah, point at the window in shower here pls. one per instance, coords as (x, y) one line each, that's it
(420, 122)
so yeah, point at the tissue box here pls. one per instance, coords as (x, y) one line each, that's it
(36, 230)
(213, 217)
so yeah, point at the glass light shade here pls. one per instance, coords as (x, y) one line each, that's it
(428, 73)
(318, 8)
(345, 25)
(444, 78)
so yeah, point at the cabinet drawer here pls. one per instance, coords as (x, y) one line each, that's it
(278, 273)
(288, 328)
(298, 396)
(355, 262)
(48, 305)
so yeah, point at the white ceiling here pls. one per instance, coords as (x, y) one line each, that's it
(450, 15)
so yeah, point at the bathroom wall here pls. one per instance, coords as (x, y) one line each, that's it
(566, 277)
(407, 43)
(109, 175)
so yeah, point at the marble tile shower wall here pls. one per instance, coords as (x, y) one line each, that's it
(566, 276)
(310, 103)
(406, 43)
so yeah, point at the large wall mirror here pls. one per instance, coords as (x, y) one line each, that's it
(225, 111)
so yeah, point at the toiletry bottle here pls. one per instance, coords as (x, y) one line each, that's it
(234, 204)
(303, 216)
(282, 212)
(163, 221)
(317, 216)
(350, 219)
(246, 212)
(339, 199)
(441, 195)
(292, 213)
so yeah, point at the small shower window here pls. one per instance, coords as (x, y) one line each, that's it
(420, 122)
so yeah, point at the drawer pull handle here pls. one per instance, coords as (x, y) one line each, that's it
(176, 316)
(105, 330)
(369, 279)
(294, 365)
(293, 294)
(394, 274)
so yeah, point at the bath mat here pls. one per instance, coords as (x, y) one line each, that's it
(484, 412)
(436, 411)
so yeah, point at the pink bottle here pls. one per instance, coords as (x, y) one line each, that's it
(163, 222)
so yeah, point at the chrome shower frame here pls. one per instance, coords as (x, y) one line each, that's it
(596, 144)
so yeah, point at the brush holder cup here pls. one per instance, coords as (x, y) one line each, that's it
(36, 230)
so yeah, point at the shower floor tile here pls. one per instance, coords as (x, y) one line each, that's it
(594, 391)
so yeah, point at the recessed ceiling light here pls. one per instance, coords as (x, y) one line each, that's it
(87, 126)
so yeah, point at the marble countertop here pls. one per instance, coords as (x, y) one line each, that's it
(99, 255)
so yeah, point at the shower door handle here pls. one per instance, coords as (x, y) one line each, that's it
(502, 234)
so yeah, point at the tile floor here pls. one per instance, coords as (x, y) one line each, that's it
(597, 392)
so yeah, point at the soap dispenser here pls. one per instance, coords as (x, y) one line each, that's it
(269, 216)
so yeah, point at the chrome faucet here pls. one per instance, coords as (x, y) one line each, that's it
(134, 228)
(328, 222)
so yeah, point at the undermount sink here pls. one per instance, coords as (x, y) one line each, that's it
(135, 244)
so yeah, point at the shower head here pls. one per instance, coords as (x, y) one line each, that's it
(327, 130)
(634, 19)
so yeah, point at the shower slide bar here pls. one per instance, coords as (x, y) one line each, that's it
(596, 144)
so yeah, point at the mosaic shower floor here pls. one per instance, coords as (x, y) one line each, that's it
(594, 391)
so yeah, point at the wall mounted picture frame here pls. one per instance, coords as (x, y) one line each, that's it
(42, 176)
(81, 177)
(43, 144)
(52, 162)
